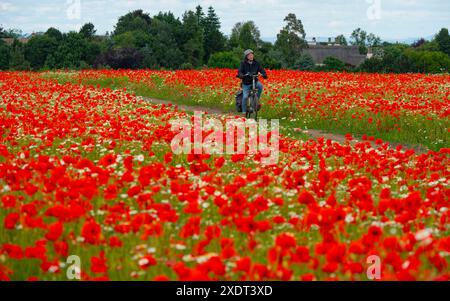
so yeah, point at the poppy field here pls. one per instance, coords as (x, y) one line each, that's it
(87, 170)
(410, 109)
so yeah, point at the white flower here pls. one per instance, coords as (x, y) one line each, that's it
(349, 218)
(204, 258)
(143, 261)
(53, 269)
(423, 234)
(180, 247)
(140, 158)
(188, 258)
(405, 265)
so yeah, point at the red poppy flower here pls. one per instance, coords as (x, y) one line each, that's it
(54, 231)
(91, 232)
(285, 241)
(11, 220)
(147, 261)
(306, 198)
(98, 264)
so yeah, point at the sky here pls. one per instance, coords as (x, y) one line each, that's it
(389, 19)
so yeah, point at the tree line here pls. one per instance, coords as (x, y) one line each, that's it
(195, 40)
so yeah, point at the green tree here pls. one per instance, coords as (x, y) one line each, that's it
(274, 59)
(250, 36)
(291, 40)
(333, 64)
(200, 15)
(71, 53)
(443, 41)
(428, 61)
(394, 60)
(429, 46)
(17, 58)
(193, 46)
(18, 61)
(364, 40)
(214, 40)
(3, 33)
(136, 20)
(233, 42)
(265, 55)
(4, 55)
(124, 58)
(164, 46)
(149, 60)
(304, 62)
(135, 39)
(359, 38)
(340, 39)
(88, 31)
(373, 40)
(54, 33)
(372, 65)
(419, 43)
(225, 59)
(92, 51)
(245, 35)
(38, 48)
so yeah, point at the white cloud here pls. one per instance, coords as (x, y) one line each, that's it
(7, 7)
(400, 18)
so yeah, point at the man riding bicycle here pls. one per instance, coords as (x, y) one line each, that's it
(248, 68)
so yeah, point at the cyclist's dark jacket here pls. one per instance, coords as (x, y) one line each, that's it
(253, 68)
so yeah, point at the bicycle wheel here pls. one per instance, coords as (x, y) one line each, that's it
(255, 107)
(248, 114)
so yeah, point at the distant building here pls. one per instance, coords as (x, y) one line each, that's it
(24, 39)
(348, 54)
(10, 41)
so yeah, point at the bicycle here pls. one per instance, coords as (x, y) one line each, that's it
(252, 100)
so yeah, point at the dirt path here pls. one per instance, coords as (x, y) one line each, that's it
(185, 107)
(315, 134)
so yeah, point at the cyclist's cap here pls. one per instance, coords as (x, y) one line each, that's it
(247, 52)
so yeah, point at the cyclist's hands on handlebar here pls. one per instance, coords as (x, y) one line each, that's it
(255, 75)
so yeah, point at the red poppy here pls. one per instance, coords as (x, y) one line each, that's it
(147, 261)
(54, 231)
(98, 264)
(11, 220)
(91, 232)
